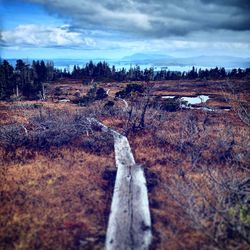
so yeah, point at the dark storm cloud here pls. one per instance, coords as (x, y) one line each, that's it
(237, 3)
(154, 18)
(238, 14)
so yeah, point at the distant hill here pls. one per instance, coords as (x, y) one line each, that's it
(202, 61)
(155, 59)
(145, 57)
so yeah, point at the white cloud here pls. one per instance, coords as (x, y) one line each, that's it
(43, 36)
(25, 37)
(131, 26)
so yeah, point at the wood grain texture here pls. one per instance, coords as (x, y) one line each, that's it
(129, 222)
(129, 226)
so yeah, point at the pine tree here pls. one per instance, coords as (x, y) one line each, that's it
(7, 80)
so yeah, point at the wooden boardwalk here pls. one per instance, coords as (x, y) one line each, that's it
(129, 222)
(129, 226)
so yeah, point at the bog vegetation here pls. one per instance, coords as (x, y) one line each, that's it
(31, 80)
(196, 161)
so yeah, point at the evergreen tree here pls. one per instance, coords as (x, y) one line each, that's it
(7, 80)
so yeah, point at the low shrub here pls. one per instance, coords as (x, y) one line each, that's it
(48, 129)
(100, 94)
(170, 105)
(130, 88)
(98, 143)
(82, 101)
(109, 105)
(12, 136)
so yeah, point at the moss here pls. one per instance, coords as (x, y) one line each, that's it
(244, 214)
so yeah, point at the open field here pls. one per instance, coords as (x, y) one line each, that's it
(58, 195)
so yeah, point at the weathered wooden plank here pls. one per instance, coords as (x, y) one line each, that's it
(129, 222)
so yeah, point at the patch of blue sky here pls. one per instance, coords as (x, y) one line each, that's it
(14, 13)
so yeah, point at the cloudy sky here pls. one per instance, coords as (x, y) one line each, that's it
(113, 29)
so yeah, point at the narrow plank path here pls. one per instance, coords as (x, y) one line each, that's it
(129, 224)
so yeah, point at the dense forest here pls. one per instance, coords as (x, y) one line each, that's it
(29, 80)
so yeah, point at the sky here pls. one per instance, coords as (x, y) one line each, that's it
(90, 29)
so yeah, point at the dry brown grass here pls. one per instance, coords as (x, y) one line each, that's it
(58, 198)
(171, 227)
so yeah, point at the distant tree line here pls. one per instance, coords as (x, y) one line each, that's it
(102, 71)
(25, 79)
(28, 80)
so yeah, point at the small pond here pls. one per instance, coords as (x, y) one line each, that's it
(187, 102)
(191, 100)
